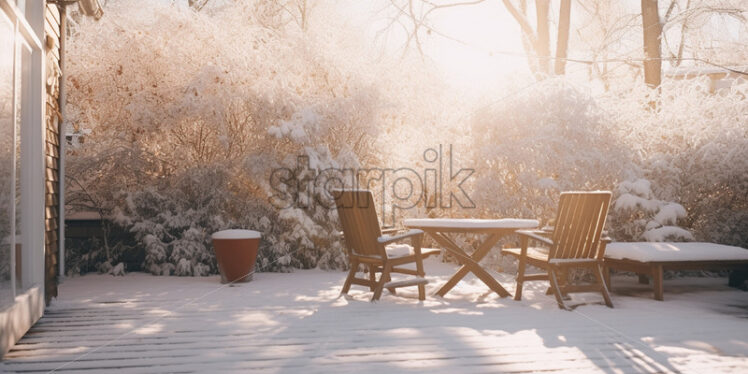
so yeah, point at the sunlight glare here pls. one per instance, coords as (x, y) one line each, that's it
(486, 29)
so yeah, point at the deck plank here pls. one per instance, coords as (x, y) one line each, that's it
(296, 322)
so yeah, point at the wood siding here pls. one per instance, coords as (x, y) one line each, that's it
(52, 149)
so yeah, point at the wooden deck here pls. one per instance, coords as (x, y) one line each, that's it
(296, 323)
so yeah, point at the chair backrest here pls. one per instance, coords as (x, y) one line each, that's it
(579, 224)
(358, 216)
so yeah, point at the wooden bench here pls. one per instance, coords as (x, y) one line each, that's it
(651, 259)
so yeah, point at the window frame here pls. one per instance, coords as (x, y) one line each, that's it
(32, 140)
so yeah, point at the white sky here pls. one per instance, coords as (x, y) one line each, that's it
(487, 28)
(484, 27)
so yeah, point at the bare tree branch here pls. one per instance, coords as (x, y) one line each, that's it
(522, 21)
(435, 7)
(197, 4)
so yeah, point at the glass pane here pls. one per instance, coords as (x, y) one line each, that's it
(6, 159)
(23, 99)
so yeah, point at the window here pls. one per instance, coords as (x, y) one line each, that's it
(21, 140)
(7, 124)
(23, 117)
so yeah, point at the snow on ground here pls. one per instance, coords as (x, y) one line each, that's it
(288, 323)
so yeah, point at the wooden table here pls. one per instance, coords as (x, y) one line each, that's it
(494, 229)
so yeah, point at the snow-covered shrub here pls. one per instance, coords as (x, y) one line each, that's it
(529, 147)
(8, 195)
(678, 172)
(168, 94)
(638, 215)
(93, 254)
(547, 139)
(173, 223)
(5, 238)
(693, 150)
(6, 199)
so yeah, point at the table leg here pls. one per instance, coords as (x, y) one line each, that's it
(657, 279)
(469, 263)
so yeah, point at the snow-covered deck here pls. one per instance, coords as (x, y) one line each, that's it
(296, 323)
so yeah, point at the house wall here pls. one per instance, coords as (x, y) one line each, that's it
(52, 147)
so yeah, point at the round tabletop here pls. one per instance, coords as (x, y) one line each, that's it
(470, 224)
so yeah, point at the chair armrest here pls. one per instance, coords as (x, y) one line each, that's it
(536, 235)
(390, 230)
(386, 239)
(545, 232)
(603, 244)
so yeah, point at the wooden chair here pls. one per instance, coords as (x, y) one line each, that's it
(367, 246)
(576, 241)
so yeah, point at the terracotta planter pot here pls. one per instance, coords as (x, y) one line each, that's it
(236, 254)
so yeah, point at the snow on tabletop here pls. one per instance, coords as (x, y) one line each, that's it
(236, 234)
(468, 223)
(691, 251)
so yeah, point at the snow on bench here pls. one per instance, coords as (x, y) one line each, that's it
(652, 258)
(674, 252)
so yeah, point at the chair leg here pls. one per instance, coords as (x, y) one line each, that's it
(372, 276)
(421, 292)
(603, 286)
(419, 266)
(563, 282)
(349, 279)
(382, 280)
(520, 279)
(561, 287)
(556, 290)
(391, 289)
(606, 276)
